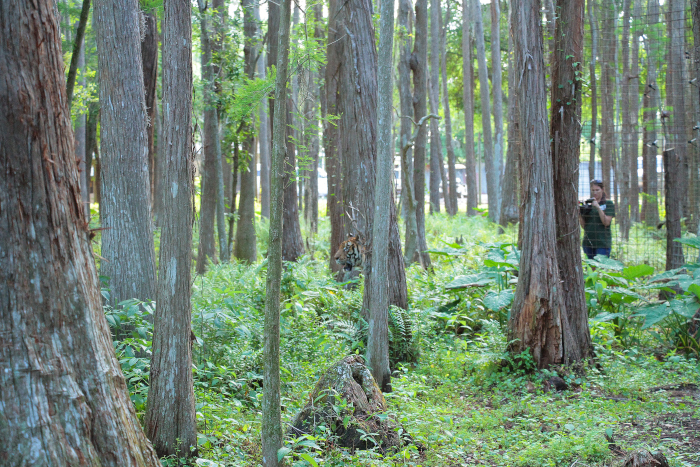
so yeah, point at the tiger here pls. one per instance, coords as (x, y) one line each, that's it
(351, 253)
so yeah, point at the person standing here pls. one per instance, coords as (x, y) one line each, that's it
(595, 217)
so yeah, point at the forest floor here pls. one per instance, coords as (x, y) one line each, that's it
(462, 398)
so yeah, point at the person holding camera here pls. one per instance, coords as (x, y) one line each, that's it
(595, 216)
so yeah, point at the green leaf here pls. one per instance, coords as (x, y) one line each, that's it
(605, 317)
(481, 279)
(633, 272)
(693, 241)
(606, 263)
(686, 307)
(308, 459)
(281, 452)
(497, 301)
(448, 251)
(621, 295)
(653, 313)
(694, 289)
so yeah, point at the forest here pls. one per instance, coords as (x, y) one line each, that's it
(350, 233)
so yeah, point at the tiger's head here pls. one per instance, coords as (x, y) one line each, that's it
(350, 253)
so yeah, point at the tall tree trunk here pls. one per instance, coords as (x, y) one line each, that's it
(695, 11)
(633, 90)
(607, 109)
(378, 341)
(408, 206)
(210, 148)
(331, 134)
(493, 171)
(594, 86)
(90, 151)
(246, 248)
(650, 203)
(676, 96)
(452, 191)
(127, 238)
(78, 51)
(497, 85)
(509, 200)
(272, 418)
(419, 67)
(434, 89)
(170, 417)
(80, 144)
(357, 106)
(149, 60)
(64, 399)
(538, 317)
(566, 142)
(216, 44)
(623, 210)
(265, 139)
(468, 111)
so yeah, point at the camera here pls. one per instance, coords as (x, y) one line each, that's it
(585, 207)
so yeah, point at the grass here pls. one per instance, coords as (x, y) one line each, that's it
(459, 402)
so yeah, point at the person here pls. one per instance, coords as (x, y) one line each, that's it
(596, 220)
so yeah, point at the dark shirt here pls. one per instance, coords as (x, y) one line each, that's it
(595, 234)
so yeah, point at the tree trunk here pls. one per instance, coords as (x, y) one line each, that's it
(264, 138)
(78, 51)
(64, 399)
(357, 106)
(497, 86)
(468, 100)
(538, 318)
(623, 210)
(170, 416)
(331, 135)
(493, 170)
(378, 341)
(127, 238)
(91, 150)
(80, 144)
(650, 203)
(633, 89)
(509, 200)
(436, 168)
(216, 43)
(565, 133)
(419, 67)
(452, 192)
(272, 418)
(594, 86)
(673, 166)
(149, 60)
(210, 148)
(246, 248)
(607, 110)
(695, 8)
(676, 125)
(408, 202)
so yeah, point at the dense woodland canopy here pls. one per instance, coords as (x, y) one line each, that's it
(206, 205)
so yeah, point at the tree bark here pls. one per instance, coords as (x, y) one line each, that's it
(78, 51)
(170, 415)
(408, 201)
(538, 318)
(510, 212)
(567, 84)
(607, 110)
(673, 166)
(468, 100)
(449, 146)
(264, 139)
(650, 203)
(623, 210)
(497, 86)
(594, 86)
(246, 245)
(127, 238)
(436, 167)
(378, 341)
(210, 148)
(64, 399)
(80, 145)
(272, 418)
(633, 89)
(149, 60)
(357, 105)
(419, 67)
(330, 134)
(676, 125)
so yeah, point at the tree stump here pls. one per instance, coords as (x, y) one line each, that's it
(645, 458)
(347, 400)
